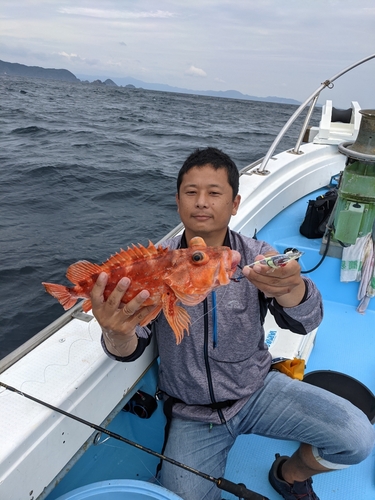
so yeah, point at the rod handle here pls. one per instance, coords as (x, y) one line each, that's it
(239, 490)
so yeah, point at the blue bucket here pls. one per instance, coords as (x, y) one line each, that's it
(120, 489)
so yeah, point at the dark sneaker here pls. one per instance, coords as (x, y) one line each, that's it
(297, 491)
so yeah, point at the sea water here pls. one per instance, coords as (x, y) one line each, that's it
(86, 170)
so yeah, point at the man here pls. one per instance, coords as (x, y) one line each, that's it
(217, 383)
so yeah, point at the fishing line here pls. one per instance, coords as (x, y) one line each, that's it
(66, 363)
(214, 305)
(114, 445)
(239, 490)
(104, 441)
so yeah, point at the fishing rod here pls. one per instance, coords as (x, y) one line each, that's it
(239, 490)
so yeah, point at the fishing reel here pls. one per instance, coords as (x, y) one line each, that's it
(141, 404)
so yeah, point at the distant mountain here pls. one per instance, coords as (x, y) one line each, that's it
(232, 94)
(109, 82)
(15, 69)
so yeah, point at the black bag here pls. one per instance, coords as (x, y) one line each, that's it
(317, 215)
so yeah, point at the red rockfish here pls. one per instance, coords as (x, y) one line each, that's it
(185, 275)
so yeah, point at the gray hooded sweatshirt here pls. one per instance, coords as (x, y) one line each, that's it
(212, 379)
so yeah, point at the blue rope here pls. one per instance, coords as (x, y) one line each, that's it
(214, 320)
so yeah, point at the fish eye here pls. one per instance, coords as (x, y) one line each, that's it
(197, 256)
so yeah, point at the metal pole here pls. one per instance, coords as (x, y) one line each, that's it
(304, 127)
(299, 110)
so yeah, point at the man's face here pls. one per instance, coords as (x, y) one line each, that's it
(205, 203)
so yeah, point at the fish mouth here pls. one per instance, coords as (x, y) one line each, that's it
(236, 259)
(227, 268)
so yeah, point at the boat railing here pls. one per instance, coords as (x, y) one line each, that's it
(14, 356)
(311, 99)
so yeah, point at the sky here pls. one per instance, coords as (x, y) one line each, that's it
(283, 48)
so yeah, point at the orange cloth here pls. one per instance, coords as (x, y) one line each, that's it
(294, 368)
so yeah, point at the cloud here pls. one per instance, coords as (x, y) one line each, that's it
(77, 58)
(19, 51)
(269, 47)
(193, 71)
(114, 14)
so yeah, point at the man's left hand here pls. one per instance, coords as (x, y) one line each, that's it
(285, 283)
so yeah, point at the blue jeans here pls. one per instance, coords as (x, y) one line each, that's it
(284, 408)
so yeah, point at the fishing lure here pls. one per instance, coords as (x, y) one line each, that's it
(274, 262)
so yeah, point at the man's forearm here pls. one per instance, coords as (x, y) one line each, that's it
(120, 345)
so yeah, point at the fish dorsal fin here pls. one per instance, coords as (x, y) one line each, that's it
(197, 241)
(134, 253)
(81, 271)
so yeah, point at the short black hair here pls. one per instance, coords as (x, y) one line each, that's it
(216, 159)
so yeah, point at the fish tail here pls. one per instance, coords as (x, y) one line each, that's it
(62, 293)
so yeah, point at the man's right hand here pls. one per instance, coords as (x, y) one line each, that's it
(118, 320)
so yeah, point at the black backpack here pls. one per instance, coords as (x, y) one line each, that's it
(317, 215)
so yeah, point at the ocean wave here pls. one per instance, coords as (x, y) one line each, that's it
(32, 129)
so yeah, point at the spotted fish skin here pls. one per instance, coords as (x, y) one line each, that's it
(171, 276)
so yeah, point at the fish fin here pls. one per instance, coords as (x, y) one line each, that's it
(152, 315)
(133, 253)
(177, 317)
(86, 305)
(190, 300)
(140, 251)
(197, 241)
(62, 293)
(82, 270)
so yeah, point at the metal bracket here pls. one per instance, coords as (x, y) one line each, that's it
(260, 172)
(82, 316)
(293, 152)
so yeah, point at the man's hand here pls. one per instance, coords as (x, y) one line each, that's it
(284, 283)
(118, 320)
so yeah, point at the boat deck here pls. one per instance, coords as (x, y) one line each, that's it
(345, 342)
